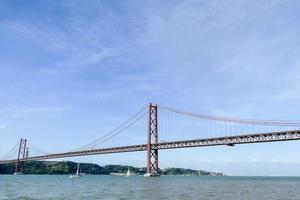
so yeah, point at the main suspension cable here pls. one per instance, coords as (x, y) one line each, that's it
(11, 152)
(236, 120)
(115, 131)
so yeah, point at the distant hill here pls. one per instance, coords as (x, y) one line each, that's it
(67, 167)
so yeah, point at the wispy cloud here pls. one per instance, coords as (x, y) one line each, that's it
(74, 47)
(3, 126)
(20, 112)
(242, 52)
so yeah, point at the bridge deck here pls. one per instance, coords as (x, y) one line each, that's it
(228, 140)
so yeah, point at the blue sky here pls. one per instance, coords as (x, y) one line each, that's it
(72, 70)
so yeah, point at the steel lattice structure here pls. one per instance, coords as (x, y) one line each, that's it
(152, 146)
(230, 140)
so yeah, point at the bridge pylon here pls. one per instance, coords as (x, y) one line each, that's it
(22, 154)
(152, 148)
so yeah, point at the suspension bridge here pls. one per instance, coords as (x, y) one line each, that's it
(156, 128)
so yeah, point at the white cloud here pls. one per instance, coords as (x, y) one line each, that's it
(20, 112)
(74, 46)
(3, 126)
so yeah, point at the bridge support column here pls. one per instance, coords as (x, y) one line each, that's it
(21, 154)
(152, 150)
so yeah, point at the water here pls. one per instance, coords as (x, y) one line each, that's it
(138, 187)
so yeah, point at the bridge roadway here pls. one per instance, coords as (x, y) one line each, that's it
(228, 140)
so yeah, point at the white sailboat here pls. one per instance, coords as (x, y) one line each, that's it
(77, 175)
(129, 173)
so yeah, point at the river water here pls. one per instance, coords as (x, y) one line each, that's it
(139, 187)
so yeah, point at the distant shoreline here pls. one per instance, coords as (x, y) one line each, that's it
(68, 167)
(229, 176)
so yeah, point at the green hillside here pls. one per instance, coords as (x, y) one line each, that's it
(67, 167)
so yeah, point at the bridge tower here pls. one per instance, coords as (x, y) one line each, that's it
(152, 149)
(22, 154)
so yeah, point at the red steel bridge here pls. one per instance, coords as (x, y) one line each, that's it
(206, 130)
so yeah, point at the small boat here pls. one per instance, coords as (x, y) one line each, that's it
(129, 173)
(17, 173)
(151, 175)
(77, 175)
